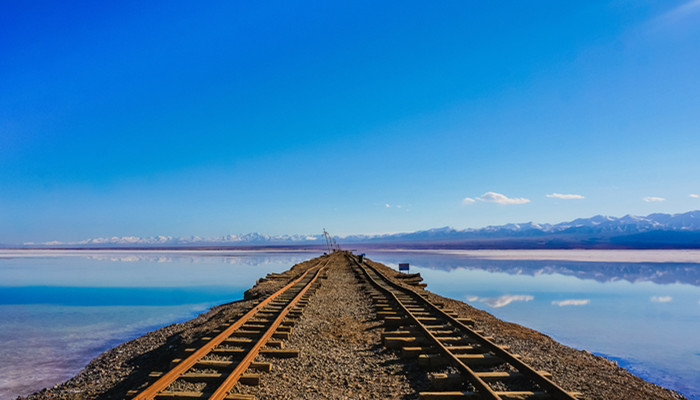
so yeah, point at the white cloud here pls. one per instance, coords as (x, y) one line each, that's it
(468, 200)
(387, 205)
(503, 301)
(571, 302)
(695, 196)
(564, 196)
(492, 197)
(652, 199)
(661, 299)
(472, 298)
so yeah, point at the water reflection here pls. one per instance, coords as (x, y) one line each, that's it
(141, 269)
(662, 273)
(644, 315)
(58, 310)
(571, 302)
(504, 300)
(156, 256)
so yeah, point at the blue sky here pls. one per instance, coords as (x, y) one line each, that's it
(166, 118)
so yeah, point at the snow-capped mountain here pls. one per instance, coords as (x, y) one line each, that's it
(654, 230)
(151, 241)
(599, 224)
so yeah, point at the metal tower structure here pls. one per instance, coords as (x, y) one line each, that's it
(331, 244)
(328, 238)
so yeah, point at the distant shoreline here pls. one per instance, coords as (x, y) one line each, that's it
(127, 367)
(581, 255)
(613, 255)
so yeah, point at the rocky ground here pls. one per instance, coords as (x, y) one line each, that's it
(113, 373)
(341, 356)
(597, 378)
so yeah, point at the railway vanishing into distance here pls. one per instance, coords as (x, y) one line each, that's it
(464, 363)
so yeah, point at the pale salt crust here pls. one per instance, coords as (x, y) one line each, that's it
(632, 256)
(654, 256)
(11, 253)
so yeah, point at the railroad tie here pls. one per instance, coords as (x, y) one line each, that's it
(441, 381)
(524, 395)
(228, 353)
(199, 395)
(438, 337)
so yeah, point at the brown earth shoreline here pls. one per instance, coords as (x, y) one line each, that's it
(341, 356)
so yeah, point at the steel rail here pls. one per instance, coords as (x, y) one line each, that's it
(481, 386)
(233, 377)
(546, 384)
(171, 376)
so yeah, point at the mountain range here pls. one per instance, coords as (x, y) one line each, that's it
(652, 231)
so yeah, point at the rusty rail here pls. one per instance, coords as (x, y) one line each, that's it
(153, 391)
(393, 290)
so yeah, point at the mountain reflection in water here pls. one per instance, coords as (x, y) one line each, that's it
(661, 273)
(644, 315)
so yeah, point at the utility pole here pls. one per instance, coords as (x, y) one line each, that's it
(328, 240)
(331, 244)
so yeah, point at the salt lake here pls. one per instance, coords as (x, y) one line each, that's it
(58, 310)
(644, 315)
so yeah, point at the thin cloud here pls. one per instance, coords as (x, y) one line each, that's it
(694, 196)
(661, 299)
(387, 205)
(503, 301)
(571, 302)
(652, 199)
(564, 196)
(493, 197)
(467, 200)
(472, 298)
(683, 11)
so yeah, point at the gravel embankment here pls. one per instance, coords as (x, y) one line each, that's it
(597, 378)
(113, 373)
(341, 356)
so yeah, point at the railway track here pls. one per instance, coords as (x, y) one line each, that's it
(472, 365)
(212, 370)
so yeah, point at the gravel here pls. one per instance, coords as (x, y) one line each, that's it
(597, 378)
(113, 373)
(341, 356)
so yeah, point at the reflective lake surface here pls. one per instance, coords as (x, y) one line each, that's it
(58, 310)
(645, 316)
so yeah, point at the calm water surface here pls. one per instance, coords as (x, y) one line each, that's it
(646, 316)
(69, 308)
(59, 310)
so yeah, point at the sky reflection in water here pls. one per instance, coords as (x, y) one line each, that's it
(69, 309)
(59, 312)
(646, 316)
